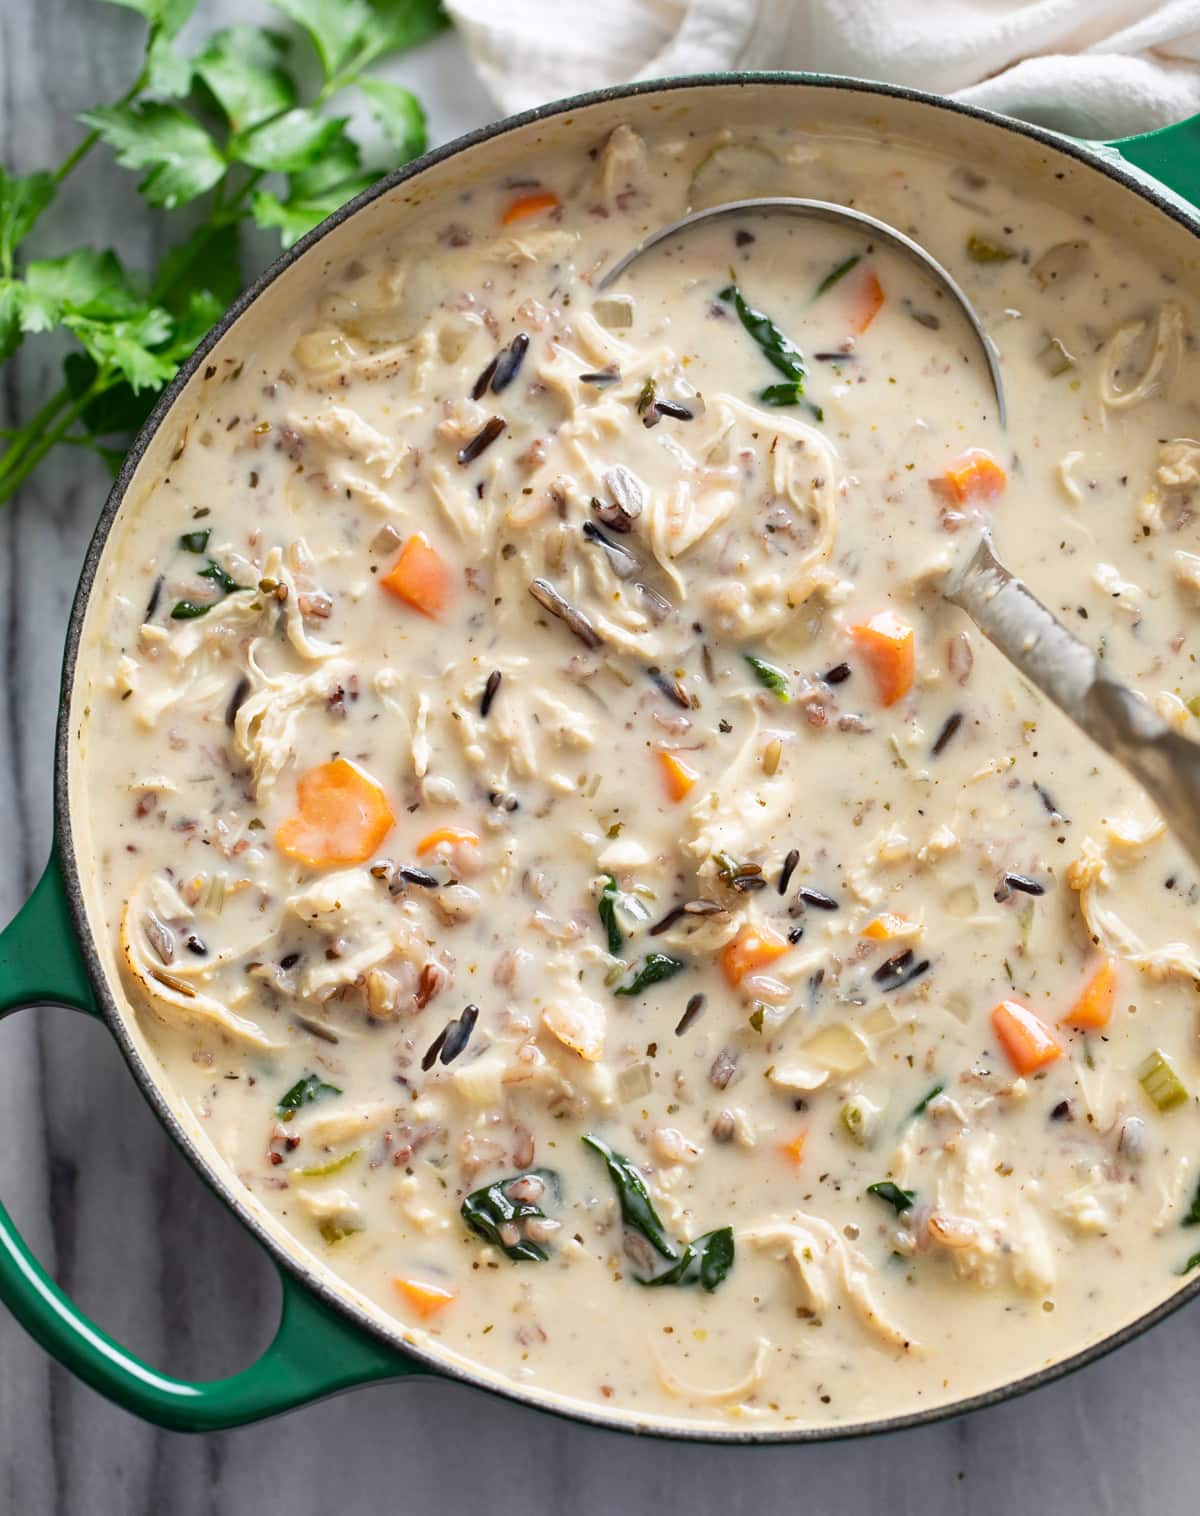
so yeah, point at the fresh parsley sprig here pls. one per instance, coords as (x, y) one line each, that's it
(223, 129)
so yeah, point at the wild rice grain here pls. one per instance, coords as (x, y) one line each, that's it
(482, 440)
(509, 362)
(479, 388)
(549, 599)
(458, 1034)
(489, 691)
(951, 725)
(691, 1012)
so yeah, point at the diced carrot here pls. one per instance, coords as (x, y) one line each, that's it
(752, 949)
(679, 776)
(342, 815)
(524, 207)
(1094, 1005)
(975, 476)
(420, 577)
(888, 646)
(426, 1299)
(1028, 1041)
(450, 835)
(793, 1151)
(868, 302)
(886, 927)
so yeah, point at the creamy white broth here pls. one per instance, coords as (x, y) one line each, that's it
(1047, 1209)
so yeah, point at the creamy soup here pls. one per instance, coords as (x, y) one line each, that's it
(566, 856)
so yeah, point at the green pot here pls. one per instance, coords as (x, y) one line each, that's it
(325, 1342)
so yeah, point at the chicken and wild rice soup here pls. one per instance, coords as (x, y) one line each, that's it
(577, 872)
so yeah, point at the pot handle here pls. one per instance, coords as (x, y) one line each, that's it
(315, 1352)
(1171, 155)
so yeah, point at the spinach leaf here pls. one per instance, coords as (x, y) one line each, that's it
(606, 908)
(637, 1209)
(488, 1209)
(656, 969)
(1192, 1263)
(219, 577)
(1193, 1216)
(902, 1200)
(705, 1262)
(195, 542)
(922, 1103)
(837, 273)
(779, 351)
(770, 677)
(303, 1092)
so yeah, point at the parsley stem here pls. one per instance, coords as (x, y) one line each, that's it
(82, 149)
(24, 436)
(12, 479)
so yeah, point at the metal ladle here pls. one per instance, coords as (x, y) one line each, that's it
(1006, 611)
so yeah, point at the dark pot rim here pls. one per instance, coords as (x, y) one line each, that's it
(618, 1420)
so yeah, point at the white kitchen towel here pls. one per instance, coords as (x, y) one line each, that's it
(1095, 68)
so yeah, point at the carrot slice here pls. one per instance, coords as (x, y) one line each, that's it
(975, 476)
(679, 776)
(1028, 1041)
(342, 815)
(524, 207)
(448, 835)
(1094, 1005)
(420, 577)
(793, 1151)
(426, 1299)
(886, 927)
(869, 301)
(752, 949)
(888, 646)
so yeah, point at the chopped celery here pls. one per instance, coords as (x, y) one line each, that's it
(984, 250)
(334, 1166)
(860, 1118)
(1054, 358)
(1162, 1084)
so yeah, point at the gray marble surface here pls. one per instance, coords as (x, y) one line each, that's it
(132, 1234)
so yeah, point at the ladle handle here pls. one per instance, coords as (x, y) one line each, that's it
(1066, 670)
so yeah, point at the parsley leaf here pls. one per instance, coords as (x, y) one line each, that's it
(85, 283)
(183, 159)
(400, 24)
(293, 218)
(296, 140)
(165, 16)
(167, 74)
(242, 68)
(116, 410)
(336, 28)
(126, 346)
(339, 165)
(400, 116)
